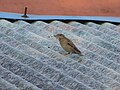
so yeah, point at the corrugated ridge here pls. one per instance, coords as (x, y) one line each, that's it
(32, 47)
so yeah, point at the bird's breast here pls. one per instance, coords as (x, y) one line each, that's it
(65, 45)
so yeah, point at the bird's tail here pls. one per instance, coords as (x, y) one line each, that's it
(79, 52)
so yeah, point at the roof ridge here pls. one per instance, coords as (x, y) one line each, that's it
(16, 16)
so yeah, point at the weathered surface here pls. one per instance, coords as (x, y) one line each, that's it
(32, 59)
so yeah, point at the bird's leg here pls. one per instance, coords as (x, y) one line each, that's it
(70, 53)
(67, 54)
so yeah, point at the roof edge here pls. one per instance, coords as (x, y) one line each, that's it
(16, 16)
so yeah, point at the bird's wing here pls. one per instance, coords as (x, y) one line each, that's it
(70, 43)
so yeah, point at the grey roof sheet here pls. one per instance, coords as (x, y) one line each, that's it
(32, 59)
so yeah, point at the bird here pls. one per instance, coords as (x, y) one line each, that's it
(68, 45)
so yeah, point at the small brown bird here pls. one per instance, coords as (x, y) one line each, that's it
(67, 44)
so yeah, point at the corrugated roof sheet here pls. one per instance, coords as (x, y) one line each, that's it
(32, 59)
